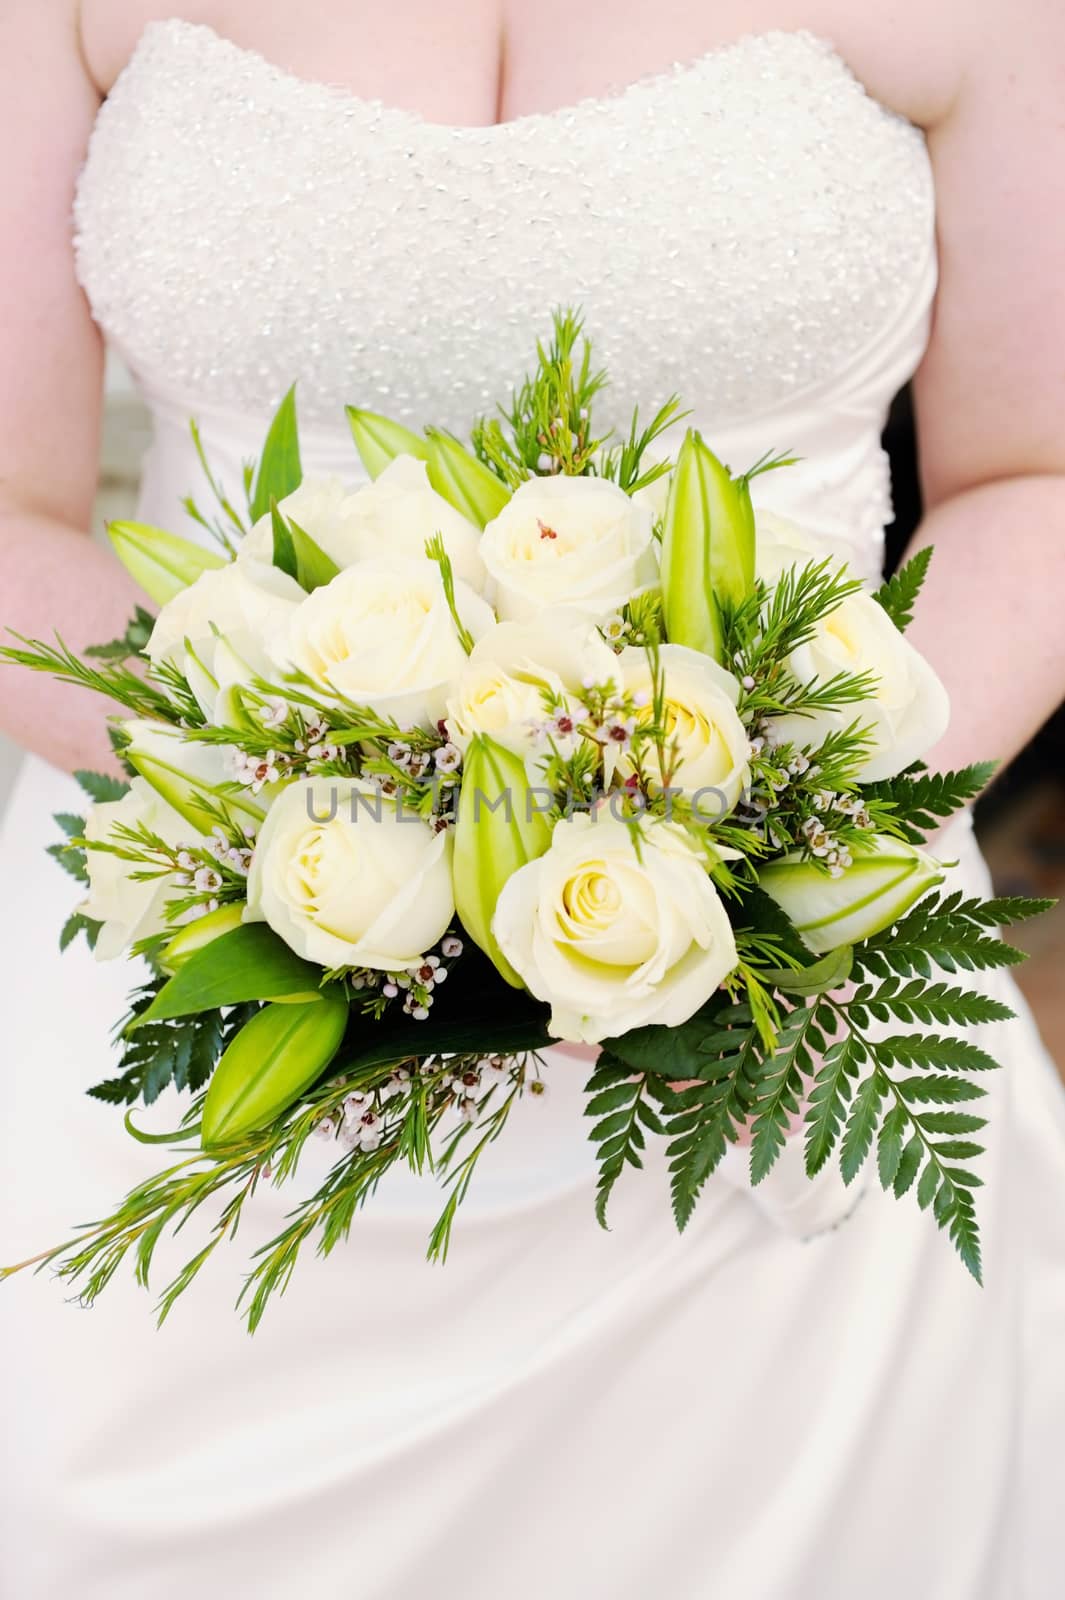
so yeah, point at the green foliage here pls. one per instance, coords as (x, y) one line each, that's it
(70, 854)
(249, 963)
(621, 1103)
(899, 594)
(549, 416)
(916, 800)
(280, 469)
(779, 1087)
(101, 786)
(623, 463)
(943, 931)
(831, 1093)
(182, 1052)
(132, 642)
(76, 924)
(113, 679)
(298, 555)
(231, 523)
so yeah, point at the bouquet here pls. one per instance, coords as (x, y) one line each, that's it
(547, 737)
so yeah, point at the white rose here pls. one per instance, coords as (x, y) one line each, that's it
(391, 517)
(219, 630)
(781, 543)
(706, 742)
(578, 542)
(347, 879)
(613, 938)
(501, 689)
(908, 710)
(381, 634)
(129, 908)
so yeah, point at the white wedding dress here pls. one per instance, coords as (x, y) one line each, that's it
(804, 1397)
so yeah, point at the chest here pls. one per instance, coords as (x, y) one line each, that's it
(477, 62)
(736, 230)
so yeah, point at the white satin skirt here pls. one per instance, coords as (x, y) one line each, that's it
(804, 1397)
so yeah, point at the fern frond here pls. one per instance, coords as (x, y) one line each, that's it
(899, 594)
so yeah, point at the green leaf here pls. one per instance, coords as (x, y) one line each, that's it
(138, 632)
(831, 972)
(379, 440)
(960, 1219)
(314, 569)
(828, 1100)
(779, 1086)
(950, 1122)
(919, 799)
(926, 1189)
(250, 963)
(899, 594)
(284, 556)
(688, 1050)
(297, 554)
(920, 1001)
(280, 469)
(619, 1134)
(861, 1125)
(71, 858)
(1004, 910)
(889, 1145)
(462, 480)
(937, 1088)
(909, 1163)
(102, 786)
(939, 931)
(182, 1052)
(957, 1149)
(704, 1120)
(76, 924)
(935, 1051)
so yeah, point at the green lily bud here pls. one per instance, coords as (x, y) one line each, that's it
(499, 828)
(462, 480)
(281, 1052)
(162, 563)
(379, 440)
(707, 547)
(196, 935)
(885, 878)
(190, 775)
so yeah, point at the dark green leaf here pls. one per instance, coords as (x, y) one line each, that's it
(909, 1162)
(101, 785)
(71, 858)
(899, 594)
(861, 1125)
(829, 1097)
(889, 1145)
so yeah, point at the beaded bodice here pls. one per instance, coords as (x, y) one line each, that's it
(752, 231)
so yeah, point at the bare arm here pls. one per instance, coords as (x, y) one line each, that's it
(52, 577)
(990, 394)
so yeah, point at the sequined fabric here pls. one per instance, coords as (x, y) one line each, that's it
(738, 228)
(752, 231)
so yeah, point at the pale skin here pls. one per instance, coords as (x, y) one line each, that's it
(986, 81)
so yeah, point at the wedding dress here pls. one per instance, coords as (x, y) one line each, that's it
(802, 1396)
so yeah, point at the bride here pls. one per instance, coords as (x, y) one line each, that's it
(803, 1396)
